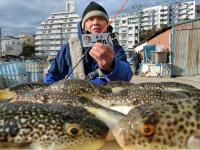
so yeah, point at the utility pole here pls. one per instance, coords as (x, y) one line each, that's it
(42, 52)
(139, 12)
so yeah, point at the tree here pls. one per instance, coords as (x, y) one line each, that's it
(186, 19)
(28, 51)
(146, 34)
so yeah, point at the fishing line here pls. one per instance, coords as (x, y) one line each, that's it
(112, 19)
(115, 16)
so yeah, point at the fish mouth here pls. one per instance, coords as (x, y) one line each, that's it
(119, 135)
(109, 117)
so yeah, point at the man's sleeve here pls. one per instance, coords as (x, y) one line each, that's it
(59, 67)
(121, 70)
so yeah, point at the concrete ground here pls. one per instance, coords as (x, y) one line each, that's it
(192, 80)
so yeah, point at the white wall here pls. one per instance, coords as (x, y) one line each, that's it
(11, 46)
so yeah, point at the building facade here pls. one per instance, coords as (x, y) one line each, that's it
(128, 33)
(11, 46)
(167, 14)
(130, 25)
(181, 40)
(183, 11)
(56, 30)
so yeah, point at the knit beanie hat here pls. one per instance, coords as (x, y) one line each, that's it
(94, 9)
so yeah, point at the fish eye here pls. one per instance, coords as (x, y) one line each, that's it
(147, 130)
(74, 130)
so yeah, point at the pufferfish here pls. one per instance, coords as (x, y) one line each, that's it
(172, 124)
(49, 127)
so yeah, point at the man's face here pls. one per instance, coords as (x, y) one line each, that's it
(96, 24)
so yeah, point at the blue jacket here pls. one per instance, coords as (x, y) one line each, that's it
(61, 66)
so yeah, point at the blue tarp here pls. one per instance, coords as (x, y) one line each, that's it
(17, 72)
(148, 52)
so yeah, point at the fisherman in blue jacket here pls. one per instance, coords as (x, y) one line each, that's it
(110, 62)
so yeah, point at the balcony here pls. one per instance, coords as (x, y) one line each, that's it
(164, 8)
(183, 17)
(164, 13)
(164, 18)
(183, 12)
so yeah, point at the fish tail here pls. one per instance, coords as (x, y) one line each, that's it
(6, 95)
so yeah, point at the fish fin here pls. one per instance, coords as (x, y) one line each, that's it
(120, 108)
(193, 142)
(92, 110)
(6, 95)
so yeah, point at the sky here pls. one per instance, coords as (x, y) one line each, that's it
(24, 16)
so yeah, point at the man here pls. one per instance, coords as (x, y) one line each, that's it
(136, 59)
(110, 62)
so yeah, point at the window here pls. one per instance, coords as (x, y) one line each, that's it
(68, 7)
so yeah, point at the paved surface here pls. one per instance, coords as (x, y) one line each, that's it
(192, 80)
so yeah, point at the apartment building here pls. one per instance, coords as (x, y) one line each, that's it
(167, 14)
(128, 33)
(184, 11)
(155, 17)
(130, 25)
(55, 31)
(57, 28)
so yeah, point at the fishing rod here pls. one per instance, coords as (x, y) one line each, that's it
(112, 19)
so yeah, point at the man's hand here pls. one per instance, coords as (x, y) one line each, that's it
(104, 55)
